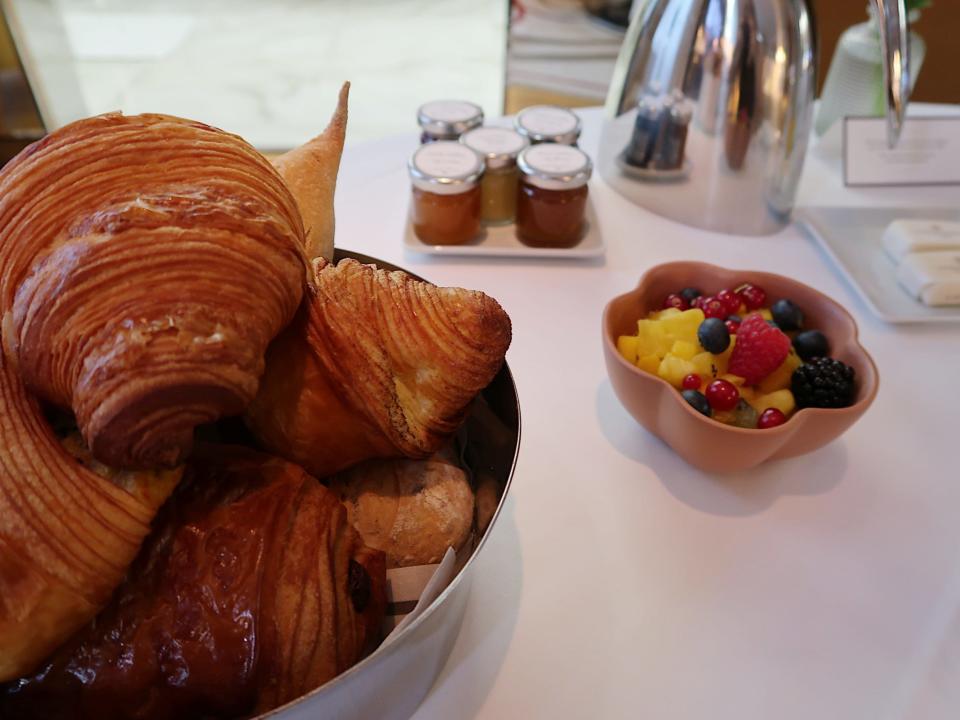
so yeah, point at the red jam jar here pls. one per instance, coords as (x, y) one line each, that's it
(447, 119)
(552, 196)
(445, 208)
(548, 124)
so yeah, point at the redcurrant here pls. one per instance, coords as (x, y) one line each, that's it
(753, 297)
(771, 417)
(713, 308)
(730, 300)
(722, 395)
(674, 301)
(691, 382)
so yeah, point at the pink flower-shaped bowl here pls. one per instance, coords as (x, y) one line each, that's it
(701, 441)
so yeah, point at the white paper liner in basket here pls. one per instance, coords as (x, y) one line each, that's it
(410, 590)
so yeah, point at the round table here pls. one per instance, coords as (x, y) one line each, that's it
(621, 582)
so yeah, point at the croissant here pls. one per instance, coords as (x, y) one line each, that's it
(67, 532)
(145, 264)
(376, 364)
(253, 589)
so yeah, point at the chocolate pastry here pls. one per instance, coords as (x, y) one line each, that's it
(252, 590)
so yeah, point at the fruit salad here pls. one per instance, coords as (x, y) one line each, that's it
(738, 360)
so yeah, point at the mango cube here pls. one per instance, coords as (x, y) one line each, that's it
(684, 325)
(684, 349)
(648, 363)
(704, 366)
(674, 369)
(780, 378)
(654, 339)
(782, 400)
(627, 346)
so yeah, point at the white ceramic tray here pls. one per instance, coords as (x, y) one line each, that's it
(851, 237)
(502, 241)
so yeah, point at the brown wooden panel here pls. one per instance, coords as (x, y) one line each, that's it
(939, 26)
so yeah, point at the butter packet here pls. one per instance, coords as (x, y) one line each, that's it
(903, 237)
(932, 277)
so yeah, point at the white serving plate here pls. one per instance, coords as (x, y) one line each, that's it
(501, 241)
(851, 237)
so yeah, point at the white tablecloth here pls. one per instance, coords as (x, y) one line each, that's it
(622, 583)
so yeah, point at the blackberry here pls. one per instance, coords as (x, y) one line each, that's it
(823, 383)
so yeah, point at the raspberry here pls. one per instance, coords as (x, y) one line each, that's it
(760, 350)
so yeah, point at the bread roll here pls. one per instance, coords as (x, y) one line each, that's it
(413, 510)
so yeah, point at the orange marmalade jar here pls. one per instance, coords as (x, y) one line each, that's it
(445, 209)
(552, 196)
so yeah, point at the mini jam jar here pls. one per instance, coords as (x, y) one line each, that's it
(498, 188)
(445, 208)
(447, 119)
(548, 124)
(552, 195)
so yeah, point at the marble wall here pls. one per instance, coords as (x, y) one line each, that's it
(269, 71)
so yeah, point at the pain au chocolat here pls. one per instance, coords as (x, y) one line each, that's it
(252, 589)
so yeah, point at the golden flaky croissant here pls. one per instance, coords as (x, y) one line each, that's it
(67, 533)
(253, 589)
(376, 364)
(145, 264)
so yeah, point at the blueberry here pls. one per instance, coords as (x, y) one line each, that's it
(734, 318)
(810, 344)
(698, 401)
(713, 335)
(689, 294)
(787, 315)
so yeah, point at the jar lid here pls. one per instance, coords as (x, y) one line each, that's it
(555, 167)
(548, 123)
(499, 146)
(449, 118)
(445, 167)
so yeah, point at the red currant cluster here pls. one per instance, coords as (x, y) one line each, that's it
(725, 305)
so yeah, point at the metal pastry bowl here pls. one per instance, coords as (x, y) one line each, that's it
(392, 681)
